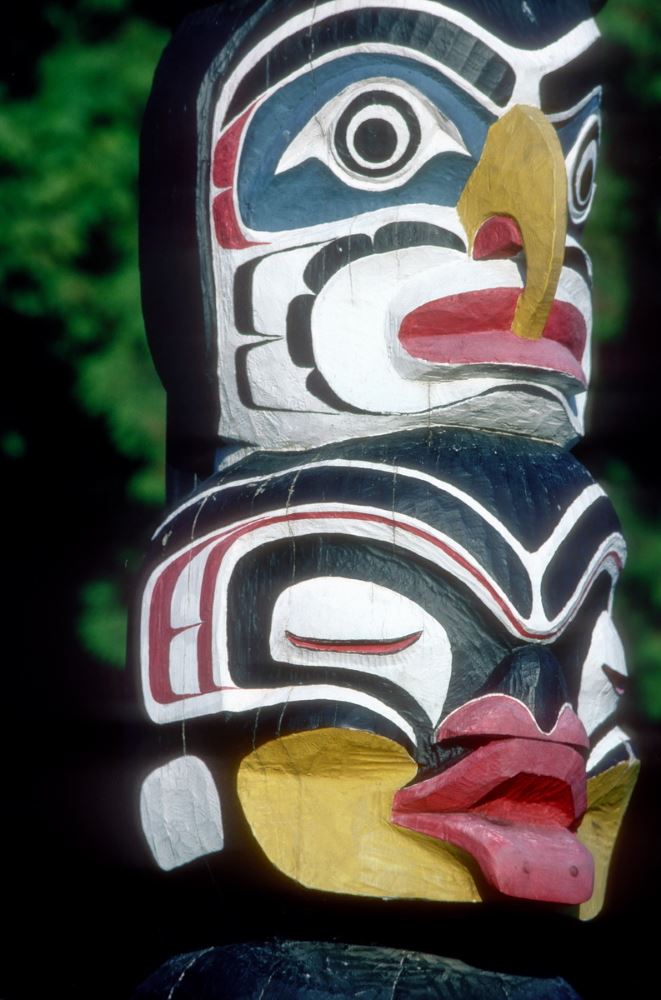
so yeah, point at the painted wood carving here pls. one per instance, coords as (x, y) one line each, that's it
(326, 186)
(380, 606)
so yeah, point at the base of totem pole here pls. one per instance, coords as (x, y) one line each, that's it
(285, 970)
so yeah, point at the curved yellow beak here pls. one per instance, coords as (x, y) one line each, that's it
(522, 174)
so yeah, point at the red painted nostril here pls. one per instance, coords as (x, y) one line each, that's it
(497, 239)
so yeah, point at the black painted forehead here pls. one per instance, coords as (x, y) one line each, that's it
(512, 516)
(524, 484)
(432, 29)
(526, 24)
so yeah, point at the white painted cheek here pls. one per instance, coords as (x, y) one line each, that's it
(277, 383)
(356, 319)
(343, 610)
(180, 813)
(597, 698)
(277, 280)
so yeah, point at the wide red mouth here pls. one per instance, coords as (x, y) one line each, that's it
(476, 328)
(513, 803)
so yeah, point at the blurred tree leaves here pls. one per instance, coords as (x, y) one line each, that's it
(68, 258)
(623, 239)
(68, 246)
(68, 240)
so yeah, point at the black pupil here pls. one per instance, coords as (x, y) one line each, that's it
(375, 140)
(585, 185)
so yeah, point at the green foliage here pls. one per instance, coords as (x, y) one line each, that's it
(102, 623)
(606, 237)
(636, 26)
(68, 240)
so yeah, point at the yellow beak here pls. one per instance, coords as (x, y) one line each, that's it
(522, 174)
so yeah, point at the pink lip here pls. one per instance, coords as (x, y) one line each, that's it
(502, 715)
(475, 328)
(512, 803)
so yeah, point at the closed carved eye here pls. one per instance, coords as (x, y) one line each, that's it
(373, 647)
(342, 623)
(374, 135)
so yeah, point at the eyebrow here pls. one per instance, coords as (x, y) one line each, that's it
(434, 36)
(565, 87)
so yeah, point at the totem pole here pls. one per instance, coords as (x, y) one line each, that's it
(377, 619)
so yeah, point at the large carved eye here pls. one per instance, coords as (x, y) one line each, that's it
(377, 135)
(374, 135)
(581, 170)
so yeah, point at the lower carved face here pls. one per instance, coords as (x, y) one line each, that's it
(397, 197)
(418, 639)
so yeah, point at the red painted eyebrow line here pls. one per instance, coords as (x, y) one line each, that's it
(372, 647)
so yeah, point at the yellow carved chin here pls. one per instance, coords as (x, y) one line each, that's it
(608, 798)
(319, 804)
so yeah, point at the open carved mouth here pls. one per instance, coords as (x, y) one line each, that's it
(475, 328)
(513, 802)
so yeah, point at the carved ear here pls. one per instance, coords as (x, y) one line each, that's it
(180, 813)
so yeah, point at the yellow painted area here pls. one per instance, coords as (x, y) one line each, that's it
(319, 804)
(522, 174)
(608, 798)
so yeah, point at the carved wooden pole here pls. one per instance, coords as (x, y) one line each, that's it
(383, 577)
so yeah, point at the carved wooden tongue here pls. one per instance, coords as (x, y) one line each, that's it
(526, 861)
(509, 804)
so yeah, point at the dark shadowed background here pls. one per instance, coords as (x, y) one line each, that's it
(81, 441)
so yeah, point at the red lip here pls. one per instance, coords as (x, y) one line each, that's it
(512, 803)
(475, 328)
(502, 715)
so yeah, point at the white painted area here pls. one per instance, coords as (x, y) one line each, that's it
(180, 813)
(184, 671)
(185, 610)
(346, 609)
(273, 378)
(597, 697)
(276, 281)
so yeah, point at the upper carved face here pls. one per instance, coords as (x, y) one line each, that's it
(388, 224)
(395, 227)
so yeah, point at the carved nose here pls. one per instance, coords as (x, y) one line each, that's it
(533, 676)
(521, 176)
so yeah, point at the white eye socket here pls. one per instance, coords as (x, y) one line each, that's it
(354, 625)
(374, 135)
(581, 170)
